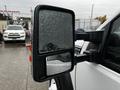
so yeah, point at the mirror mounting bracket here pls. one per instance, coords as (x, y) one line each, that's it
(92, 36)
(89, 55)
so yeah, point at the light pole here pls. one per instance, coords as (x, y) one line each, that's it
(6, 13)
(91, 16)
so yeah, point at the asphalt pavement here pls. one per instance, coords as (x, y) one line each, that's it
(15, 72)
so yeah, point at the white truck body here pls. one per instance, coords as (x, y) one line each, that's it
(91, 76)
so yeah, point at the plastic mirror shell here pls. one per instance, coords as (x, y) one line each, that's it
(38, 60)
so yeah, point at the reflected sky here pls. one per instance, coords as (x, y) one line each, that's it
(82, 8)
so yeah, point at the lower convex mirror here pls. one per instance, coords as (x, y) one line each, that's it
(58, 63)
(53, 42)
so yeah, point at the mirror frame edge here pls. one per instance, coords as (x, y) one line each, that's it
(35, 51)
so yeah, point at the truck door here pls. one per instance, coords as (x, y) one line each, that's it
(104, 73)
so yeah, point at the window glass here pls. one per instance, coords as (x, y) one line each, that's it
(14, 28)
(113, 48)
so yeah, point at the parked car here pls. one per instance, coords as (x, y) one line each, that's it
(14, 33)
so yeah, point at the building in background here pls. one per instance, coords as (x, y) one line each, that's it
(3, 21)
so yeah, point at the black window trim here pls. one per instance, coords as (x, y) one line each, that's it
(109, 64)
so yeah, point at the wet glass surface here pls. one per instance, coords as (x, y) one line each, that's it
(55, 31)
(58, 63)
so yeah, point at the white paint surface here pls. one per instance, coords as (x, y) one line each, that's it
(96, 77)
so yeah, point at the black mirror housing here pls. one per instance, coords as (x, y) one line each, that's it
(52, 42)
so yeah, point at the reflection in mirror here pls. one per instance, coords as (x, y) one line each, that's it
(58, 63)
(55, 31)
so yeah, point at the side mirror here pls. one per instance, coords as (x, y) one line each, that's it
(53, 42)
(25, 29)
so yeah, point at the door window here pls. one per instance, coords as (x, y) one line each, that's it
(113, 46)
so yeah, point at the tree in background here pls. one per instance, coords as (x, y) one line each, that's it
(102, 19)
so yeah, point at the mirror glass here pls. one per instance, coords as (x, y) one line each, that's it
(55, 31)
(58, 63)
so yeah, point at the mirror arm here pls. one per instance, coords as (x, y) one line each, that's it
(81, 58)
(92, 36)
(89, 55)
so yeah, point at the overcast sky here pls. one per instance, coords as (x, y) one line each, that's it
(82, 8)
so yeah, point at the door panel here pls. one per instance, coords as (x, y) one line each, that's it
(92, 76)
